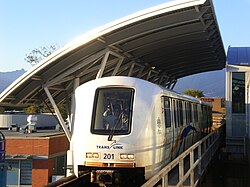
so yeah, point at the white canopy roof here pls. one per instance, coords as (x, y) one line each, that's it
(159, 44)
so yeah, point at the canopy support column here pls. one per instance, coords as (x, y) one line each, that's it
(118, 66)
(73, 103)
(58, 113)
(103, 64)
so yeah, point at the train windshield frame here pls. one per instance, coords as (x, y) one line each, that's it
(112, 111)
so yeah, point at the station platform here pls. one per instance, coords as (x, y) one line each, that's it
(228, 173)
(231, 168)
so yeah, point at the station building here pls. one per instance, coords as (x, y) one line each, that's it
(35, 159)
(238, 98)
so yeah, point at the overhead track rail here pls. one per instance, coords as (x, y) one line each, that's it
(160, 44)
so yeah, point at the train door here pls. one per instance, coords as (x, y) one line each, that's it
(168, 121)
(176, 131)
(187, 138)
(180, 126)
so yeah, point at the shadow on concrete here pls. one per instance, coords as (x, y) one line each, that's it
(227, 173)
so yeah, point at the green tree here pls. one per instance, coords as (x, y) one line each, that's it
(37, 54)
(194, 93)
(32, 109)
(34, 57)
(2, 110)
(63, 111)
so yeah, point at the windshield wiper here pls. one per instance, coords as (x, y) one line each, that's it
(112, 131)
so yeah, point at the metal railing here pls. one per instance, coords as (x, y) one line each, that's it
(187, 169)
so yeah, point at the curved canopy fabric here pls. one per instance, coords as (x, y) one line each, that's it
(159, 44)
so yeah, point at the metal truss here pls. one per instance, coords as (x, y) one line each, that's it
(107, 62)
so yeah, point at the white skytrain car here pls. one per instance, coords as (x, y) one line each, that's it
(127, 129)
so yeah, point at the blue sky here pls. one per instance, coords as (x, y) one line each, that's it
(29, 24)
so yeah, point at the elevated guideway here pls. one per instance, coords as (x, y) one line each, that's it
(188, 168)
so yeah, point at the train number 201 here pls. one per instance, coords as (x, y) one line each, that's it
(109, 156)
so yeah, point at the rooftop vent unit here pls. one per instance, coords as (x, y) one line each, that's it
(31, 125)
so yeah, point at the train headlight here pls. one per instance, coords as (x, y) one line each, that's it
(123, 156)
(88, 155)
(95, 155)
(131, 156)
(92, 155)
(127, 156)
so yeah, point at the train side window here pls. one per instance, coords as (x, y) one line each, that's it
(180, 109)
(204, 116)
(167, 113)
(190, 112)
(209, 116)
(186, 113)
(198, 113)
(195, 112)
(175, 109)
(187, 109)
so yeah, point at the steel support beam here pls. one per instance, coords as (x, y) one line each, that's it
(73, 69)
(58, 113)
(117, 67)
(103, 64)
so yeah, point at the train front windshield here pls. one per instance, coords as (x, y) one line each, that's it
(112, 111)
